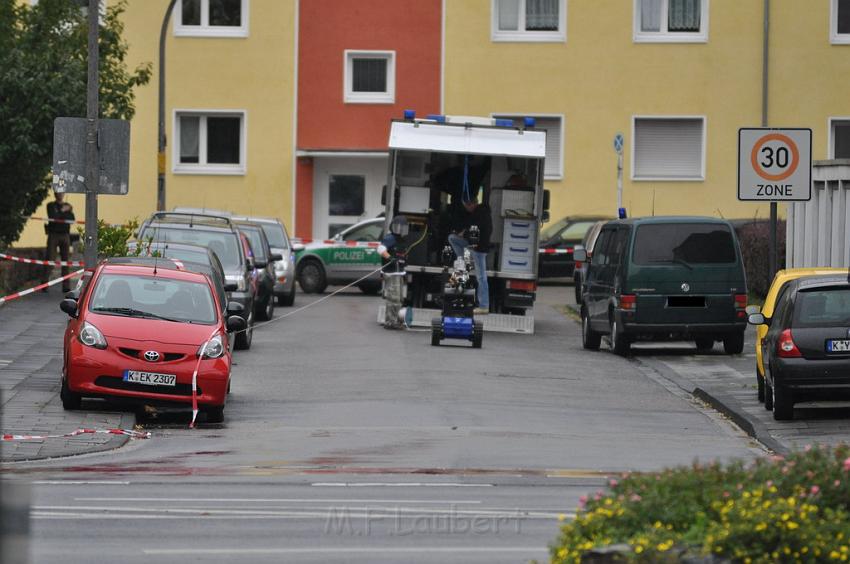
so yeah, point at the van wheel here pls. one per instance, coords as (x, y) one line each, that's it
(783, 403)
(760, 386)
(215, 414)
(243, 339)
(733, 343)
(286, 300)
(620, 342)
(704, 344)
(577, 285)
(590, 339)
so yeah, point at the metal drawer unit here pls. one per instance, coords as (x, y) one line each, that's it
(519, 245)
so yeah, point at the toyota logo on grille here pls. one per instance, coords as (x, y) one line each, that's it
(151, 356)
(686, 287)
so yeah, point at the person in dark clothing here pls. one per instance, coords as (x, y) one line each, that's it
(480, 216)
(59, 235)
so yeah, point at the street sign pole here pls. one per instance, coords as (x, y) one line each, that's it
(92, 111)
(618, 147)
(160, 155)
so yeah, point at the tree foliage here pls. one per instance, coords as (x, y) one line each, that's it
(43, 70)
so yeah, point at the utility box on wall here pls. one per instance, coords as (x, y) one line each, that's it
(818, 231)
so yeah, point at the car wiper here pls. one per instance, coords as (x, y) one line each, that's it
(675, 261)
(131, 312)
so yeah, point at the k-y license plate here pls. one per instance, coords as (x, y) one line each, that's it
(149, 378)
(838, 345)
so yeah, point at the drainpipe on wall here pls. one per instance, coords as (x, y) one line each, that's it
(765, 69)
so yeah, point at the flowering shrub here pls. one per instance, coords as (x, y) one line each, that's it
(794, 509)
(754, 239)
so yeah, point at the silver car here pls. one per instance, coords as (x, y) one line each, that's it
(284, 270)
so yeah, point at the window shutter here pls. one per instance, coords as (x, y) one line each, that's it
(668, 148)
(554, 149)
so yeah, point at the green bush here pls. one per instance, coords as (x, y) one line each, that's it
(112, 239)
(794, 509)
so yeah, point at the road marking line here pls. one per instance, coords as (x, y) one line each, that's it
(399, 484)
(347, 550)
(80, 483)
(273, 500)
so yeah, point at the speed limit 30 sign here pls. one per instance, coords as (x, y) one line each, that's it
(774, 164)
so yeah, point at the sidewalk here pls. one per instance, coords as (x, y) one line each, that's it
(31, 330)
(728, 384)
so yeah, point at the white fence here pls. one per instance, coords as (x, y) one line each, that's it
(818, 231)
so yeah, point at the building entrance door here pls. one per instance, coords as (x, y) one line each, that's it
(346, 190)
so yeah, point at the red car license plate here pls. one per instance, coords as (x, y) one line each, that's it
(150, 378)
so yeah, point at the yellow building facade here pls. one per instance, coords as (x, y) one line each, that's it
(677, 78)
(232, 89)
(666, 74)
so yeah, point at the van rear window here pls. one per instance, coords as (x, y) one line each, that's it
(690, 243)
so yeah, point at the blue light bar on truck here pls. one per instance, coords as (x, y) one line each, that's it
(529, 121)
(437, 117)
(409, 114)
(504, 122)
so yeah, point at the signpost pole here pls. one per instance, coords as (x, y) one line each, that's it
(92, 111)
(160, 155)
(618, 148)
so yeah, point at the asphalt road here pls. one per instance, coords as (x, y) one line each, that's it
(345, 442)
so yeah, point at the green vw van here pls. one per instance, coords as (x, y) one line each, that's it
(668, 279)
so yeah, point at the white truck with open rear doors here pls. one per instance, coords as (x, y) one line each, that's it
(498, 161)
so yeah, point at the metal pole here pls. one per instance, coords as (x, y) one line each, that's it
(765, 69)
(160, 177)
(619, 182)
(92, 111)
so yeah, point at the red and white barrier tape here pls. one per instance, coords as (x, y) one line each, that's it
(371, 244)
(555, 251)
(53, 282)
(43, 262)
(195, 379)
(127, 432)
(51, 220)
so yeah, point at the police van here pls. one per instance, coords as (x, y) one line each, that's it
(432, 161)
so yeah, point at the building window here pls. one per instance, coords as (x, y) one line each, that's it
(674, 21)
(839, 135)
(347, 195)
(839, 21)
(211, 18)
(369, 77)
(209, 142)
(529, 20)
(668, 148)
(554, 127)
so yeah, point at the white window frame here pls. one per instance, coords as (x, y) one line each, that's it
(700, 178)
(202, 167)
(830, 138)
(665, 36)
(206, 30)
(351, 97)
(522, 35)
(518, 117)
(834, 37)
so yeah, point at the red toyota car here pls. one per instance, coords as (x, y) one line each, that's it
(136, 331)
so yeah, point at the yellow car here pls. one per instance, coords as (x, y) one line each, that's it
(779, 282)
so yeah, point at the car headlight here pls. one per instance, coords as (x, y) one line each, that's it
(213, 348)
(241, 285)
(281, 266)
(91, 336)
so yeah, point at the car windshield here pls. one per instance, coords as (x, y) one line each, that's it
(256, 243)
(150, 297)
(822, 307)
(687, 243)
(275, 235)
(576, 231)
(185, 254)
(368, 232)
(222, 243)
(552, 230)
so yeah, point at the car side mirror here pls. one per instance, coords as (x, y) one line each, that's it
(757, 319)
(752, 309)
(260, 263)
(69, 306)
(230, 287)
(235, 308)
(580, 255)
(546, 199)
(72, 295)
(249, 266)
(236, 323)
(274, 257)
